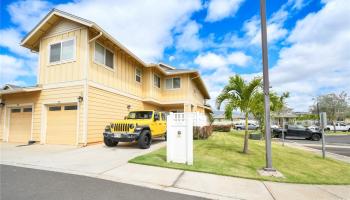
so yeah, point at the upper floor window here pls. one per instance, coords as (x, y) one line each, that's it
(62, 51)
(138, 74)
(156, 80)
(173, 83)
(104, 56)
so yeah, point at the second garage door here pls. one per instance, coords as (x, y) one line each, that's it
(20, 125)
(61, 124)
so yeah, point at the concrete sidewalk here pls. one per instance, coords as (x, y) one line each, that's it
(111, 164)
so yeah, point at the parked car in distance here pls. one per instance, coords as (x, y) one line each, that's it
(273, 126)
(314, 128)
(297, 131)
(241, 126)
(339, 126)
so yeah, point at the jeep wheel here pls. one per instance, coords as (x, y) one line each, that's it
(166, 138)
(315, 137)
(239, 128)
(144, 140)
(109, 142)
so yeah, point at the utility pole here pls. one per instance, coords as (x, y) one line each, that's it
(266, 86)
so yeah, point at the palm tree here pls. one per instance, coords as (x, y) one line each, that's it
(239, 94)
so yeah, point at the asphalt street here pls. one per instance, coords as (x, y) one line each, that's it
(23, 183)
(339, 144)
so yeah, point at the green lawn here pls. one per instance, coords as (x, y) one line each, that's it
(221, 154)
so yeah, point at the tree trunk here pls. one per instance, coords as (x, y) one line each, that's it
(334, 126)
(245, 148)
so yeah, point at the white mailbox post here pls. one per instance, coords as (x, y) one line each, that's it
(180, 138)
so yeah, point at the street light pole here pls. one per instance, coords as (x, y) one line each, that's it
(266, 86)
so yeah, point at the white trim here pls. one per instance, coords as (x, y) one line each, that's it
(39, 64)
(78, 123)
(113, 90)
(63, 84)
(6, 133)
(104, 64)
(62, 61)
(86, 89)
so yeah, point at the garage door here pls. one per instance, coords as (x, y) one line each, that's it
(20, 125)
(61, 124)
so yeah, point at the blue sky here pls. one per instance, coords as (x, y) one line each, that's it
(308, 39)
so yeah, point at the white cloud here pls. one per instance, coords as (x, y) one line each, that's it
(214, 61)
(221, 68)
(189, 38)
(12, 69)
(10, 39)
(145, 27)
(210, 61)
(239, 58)
(220, 9)
(317, 60)
(171, 58)
(26, 14)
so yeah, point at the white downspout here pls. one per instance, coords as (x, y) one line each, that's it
(86, 86)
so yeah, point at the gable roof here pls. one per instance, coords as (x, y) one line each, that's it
(32, 39)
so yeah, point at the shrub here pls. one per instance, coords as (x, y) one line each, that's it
(202, 132)
(222, 128)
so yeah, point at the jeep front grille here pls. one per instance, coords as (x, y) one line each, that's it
(120, 127)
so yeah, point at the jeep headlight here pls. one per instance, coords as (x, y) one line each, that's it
(108, 128)
(131, 126)
(138, 128)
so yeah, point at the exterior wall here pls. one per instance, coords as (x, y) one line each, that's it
(179, 94)
(46, 96)
(122, 76)
(106, 106)
(64, 71)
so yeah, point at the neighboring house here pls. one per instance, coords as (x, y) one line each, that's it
(86, 79)
(220, 119)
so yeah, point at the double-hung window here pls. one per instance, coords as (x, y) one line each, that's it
(138, 74)
(62, 51)
(173, 83)
(156, 80)
(104, 56)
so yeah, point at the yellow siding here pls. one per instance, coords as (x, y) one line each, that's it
(104, 107)
(57, 95)
(121, 77)
(62, 72)
(195, 95)
(180, 94)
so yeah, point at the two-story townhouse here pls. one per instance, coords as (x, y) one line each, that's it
(86, 79)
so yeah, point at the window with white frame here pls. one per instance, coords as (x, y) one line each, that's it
(173, 83)
(156, 80)
(62, 51)
(138, 74)
(104, 56)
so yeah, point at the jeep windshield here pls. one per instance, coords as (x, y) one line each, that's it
(140, 115)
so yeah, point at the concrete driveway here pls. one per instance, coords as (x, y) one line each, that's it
(93, 159)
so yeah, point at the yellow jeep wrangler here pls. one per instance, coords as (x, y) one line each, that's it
(140, 126)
